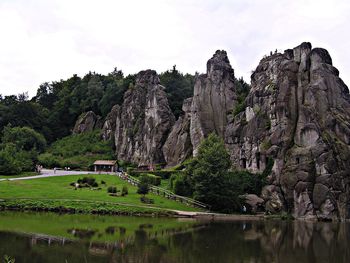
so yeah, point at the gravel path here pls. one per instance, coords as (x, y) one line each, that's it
(50, 173)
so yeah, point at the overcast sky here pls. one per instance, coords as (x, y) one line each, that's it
(48, 40)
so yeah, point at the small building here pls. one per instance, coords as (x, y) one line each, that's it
(105, 166)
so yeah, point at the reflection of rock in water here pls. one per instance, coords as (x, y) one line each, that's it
(302, 233)
(258, 242)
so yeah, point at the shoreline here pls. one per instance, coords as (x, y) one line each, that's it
(105, 208)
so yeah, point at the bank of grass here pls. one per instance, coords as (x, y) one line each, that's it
(56, 194)
(23, 174)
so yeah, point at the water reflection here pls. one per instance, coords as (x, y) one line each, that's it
(253, 242)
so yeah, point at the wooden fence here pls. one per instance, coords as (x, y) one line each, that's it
(164, 192)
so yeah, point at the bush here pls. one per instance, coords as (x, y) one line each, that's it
(180, 185)
(48, 160)
(125, 190)
(87, 182)
(130, 170)
(13, 161)
(143, 187)
(151, 179)
(239, 108)
(112, 189)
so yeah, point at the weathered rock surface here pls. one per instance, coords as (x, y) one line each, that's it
(144, 121)
(87, 121)
(213, 100)
(108, 128)
(254, 202)
(298, 114)
(178, 145)
(208, 111)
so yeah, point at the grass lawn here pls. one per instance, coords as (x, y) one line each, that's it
(58, 188)
(24, 174)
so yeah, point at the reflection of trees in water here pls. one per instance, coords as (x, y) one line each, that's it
(268, 241)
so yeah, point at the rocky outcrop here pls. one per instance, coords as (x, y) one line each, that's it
(108, 128)
(297, 114)
(144, 121)
(213, 100)
(255, 203)
(178, 145)
(207, 112)
(294, 124)
(87, 121)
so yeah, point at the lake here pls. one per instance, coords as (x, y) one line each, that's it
(46, 237)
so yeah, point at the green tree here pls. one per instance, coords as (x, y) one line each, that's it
(210, 174)
(143, 187)
(178, 88)
(9, 163)
(24, 138)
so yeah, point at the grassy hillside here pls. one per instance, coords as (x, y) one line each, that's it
(56, 192)
(77, 151)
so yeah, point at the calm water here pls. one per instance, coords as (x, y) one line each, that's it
(30, 237)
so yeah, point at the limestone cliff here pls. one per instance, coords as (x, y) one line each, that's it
(144, 121)
(298, 114)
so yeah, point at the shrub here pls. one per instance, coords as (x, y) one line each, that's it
(143, 187)
(151, 179)
(48, 160)
(112, 189)
(129, 170)
(87, 182)
(180, 185)
(239, 108)
(125, 190)
(10, 160)
(103, 182)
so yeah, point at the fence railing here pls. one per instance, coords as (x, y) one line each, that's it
(164, 192)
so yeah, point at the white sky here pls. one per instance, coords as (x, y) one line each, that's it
(47, 40)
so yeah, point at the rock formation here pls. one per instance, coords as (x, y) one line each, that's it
(87, 121)
(208, 111)
(109, 124)
(298, 114)
(213, 100)
(144, 121)
(295, 122)
(178, 146)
